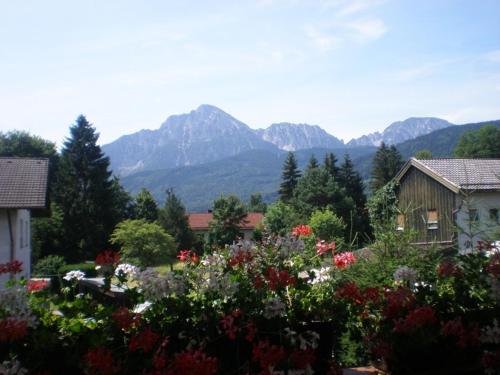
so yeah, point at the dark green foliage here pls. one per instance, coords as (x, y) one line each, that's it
(280, 218)
(313, 162)
(47, 234)
(174, 220)
(289, 178)
(352, 183)
(256, 204)
(228, 213)
(383, 208)
(327, 226)
(145, 206)
(423, 154)
(23, 144)
(317, 189)
(84, 192)
(122, 204)
(49, 266)
(87, 268)
(330, 164)
(386, 164)
(482, 143)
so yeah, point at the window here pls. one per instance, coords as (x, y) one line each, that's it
(494, 215)
(432, 219)
(400, 222)
(473, 215)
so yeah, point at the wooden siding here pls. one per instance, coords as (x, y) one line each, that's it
(419, 193)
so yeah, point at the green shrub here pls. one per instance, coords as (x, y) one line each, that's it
(87, 268)
(49, 266)
(326, 225)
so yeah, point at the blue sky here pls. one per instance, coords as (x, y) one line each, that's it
(350, 66)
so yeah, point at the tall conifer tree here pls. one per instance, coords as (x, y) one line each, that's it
(330, 164)
(145, 206)
(289, 178)
(313, 163)
(386, 163)
(174, 220)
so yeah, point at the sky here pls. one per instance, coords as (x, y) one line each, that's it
(351, 66)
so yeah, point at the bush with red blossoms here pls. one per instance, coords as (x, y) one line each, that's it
(302, 230)
(344, 260)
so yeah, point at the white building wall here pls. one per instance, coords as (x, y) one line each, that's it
(485, 228)
(21, 229)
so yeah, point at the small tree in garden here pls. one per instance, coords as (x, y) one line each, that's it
(229, 212)
(256, 204)
(483, 143)
(280, 218)
(174, 220)
(144, 244)
(326, 225)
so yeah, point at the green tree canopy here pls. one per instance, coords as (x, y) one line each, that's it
(289, 178)
(317, 189)
(313, 163)
(256, 203)
(23, 144)
(326, 225)
(330, 164)
(144, 244)
(482, 143)
(423, 154)
(386, 164)
(174, 220)
(228, 213)
(84, 192)
(145, 206)
(280, 218)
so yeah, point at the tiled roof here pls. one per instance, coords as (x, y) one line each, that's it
(464, 174)
(200, 221)
(23, 182)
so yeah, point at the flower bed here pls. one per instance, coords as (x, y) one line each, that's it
(279, 307)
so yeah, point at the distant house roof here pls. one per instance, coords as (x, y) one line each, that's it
(23, 182)
(459, 174)
(201, 221)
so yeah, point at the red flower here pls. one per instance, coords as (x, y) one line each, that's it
(228, 326)
(184, 255)
(125, 319)
(11, 267)
(418, 318)
(267, 355)
(12, 329)
(36, 285)
(371, 294)
(323, 247)
(107, 257)
(251, 331)
(258, 282)
(101, 360)
(193, 362)
(278, 279)
(240, 258)
(302, 358)
(493, 266)
(397, 301)
(302, 230)
(343, 260)
(351, 292)
(465, 337)
(144, 340)
(195, 258)
(448, 268)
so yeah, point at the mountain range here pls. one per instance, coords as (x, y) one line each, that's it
(209, 134)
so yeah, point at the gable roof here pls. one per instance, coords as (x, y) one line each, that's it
(23, 182)
(459, 174)
(201, 221)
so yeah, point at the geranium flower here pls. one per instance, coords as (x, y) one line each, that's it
(124, 319)
(323, 247)
(74, 275)
(193, 362)
(36, 285)
(448, 268)
(12, 329)
(302, 230)
(351, 292)
(11, 267)
(418, 318)
(267, 355)
(101, 359)
(344, 260)
(144, 340)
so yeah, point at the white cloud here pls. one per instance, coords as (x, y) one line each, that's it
(322, 40)
(368, 29)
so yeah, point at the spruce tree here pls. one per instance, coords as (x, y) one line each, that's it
(84, 192)
(174, 220)
(386, 164)
(330, 164)
(256, 204)
(145, 206)
(289, 178)
(313, 163)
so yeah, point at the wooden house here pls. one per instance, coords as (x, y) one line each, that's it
(23, 192)
(451, 202)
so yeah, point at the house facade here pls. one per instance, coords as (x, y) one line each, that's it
(200, 224)
(450, 202)
(23, 192)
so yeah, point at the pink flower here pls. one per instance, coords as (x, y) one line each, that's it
(323, 247)
(343, 260)
(36, 285)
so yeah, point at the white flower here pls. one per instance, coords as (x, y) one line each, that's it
(127, 270)
(274, 307)
(321, 275)
(156, 286)
(74, 275)
(140, 308)
(405, 273)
